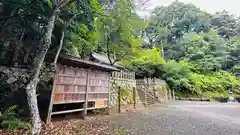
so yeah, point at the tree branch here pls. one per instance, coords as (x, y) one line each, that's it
(62, 3)
(61, 40)
(108, 51)
(121, 57)
(59, 49)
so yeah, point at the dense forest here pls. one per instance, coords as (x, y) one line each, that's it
(201, 50)
(196, 52)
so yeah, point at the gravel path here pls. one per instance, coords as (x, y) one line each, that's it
(176, 120)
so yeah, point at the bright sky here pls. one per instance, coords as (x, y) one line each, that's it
(211, 6)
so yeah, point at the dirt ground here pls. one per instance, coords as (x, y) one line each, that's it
(181, 118)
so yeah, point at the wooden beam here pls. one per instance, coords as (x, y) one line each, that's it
(134, 97)
(52, 96)
(173, 94)
(69, 102)
(93, 108)
(67, 111)
(109, 92)
(87, 90)
(119, 99)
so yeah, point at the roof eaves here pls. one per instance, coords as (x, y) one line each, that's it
(89, 63)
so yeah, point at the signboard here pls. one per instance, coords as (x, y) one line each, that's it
(99, 103)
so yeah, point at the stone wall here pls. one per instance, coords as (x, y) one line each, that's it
(126, 81)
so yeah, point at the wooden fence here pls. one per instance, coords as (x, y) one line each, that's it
(123, 75)
(124, 79)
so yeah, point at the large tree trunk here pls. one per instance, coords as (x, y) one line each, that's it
(34, 76)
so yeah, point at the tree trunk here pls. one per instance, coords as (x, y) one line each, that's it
(34, 77)
(108, 50)
(62, 38)
(59, 48)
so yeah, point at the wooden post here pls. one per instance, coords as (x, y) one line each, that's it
(134, 98)
(154, 85)
(145, 91)
(109, 95)
(145, 96)
(119, 99)
(86, 94)
(166, 94)
(52, 97)
(170, 94)
(173, 92)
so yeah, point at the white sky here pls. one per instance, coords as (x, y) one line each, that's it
(211, 6)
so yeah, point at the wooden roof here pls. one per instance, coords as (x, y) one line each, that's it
(78, 62)
(104, 59)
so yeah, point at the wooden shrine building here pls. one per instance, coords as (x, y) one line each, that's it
(82, 83)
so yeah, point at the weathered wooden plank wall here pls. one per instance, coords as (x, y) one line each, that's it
(79, 85)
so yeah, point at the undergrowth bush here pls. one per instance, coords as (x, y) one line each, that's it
(186, 76)
(182, 77)
(9, 120)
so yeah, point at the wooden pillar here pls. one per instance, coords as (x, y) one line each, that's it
(173, 94)
(134, 97)
(109, 95)
(166, 94)
(145, 90)
(52, 97)
(170, 94)
(86, 94)
(119, 99)
(154, 86)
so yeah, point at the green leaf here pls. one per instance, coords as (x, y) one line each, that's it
(49, 3)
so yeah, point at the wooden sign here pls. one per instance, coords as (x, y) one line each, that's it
(99, 103)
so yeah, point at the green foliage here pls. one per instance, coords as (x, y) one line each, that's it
(8, 120)
(23, 22)
(216, 82)
(116, 33)
(178, 19)
(201, 49)
(226, 24)
(124, 92)
(15, 124)
(175, 73)
(145, 62)
(182, 76)
(210, 41)
(126, 95)
(214, 94)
